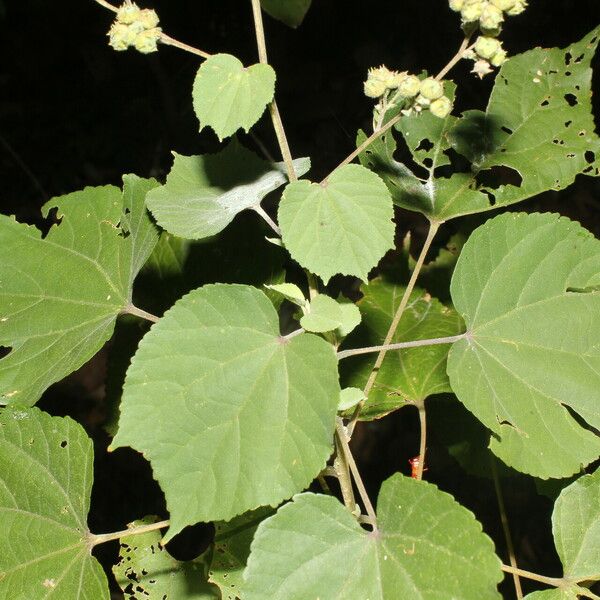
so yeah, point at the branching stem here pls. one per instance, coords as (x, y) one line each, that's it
(263, 213)
(464, 47)
(433, 228)
(557, 582)
(138, 312)
(94, 540)
(273, 110)
(400, 345)
(342, 436)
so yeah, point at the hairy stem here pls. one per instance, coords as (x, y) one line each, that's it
(400, 345)
(342, 471)
(360, 486)
(138, 312)
(587, 593)
(261, 211)
(506, 528)
(423, 438)
(433, 228)
(273, 110)
(94, 540)
(557, 582)
(164, 38)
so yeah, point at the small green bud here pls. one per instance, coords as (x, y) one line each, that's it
(147, 41)
(441, 107)
(410, 86)
(374, 88)
(491, 17)
(499, 58)
(128, 13)
(503, 4)
(431, 88)
(148, 18)
(517, 9)
(472, 10)
(495, 32)
(456, 5)
(119, 37)
(486, 47)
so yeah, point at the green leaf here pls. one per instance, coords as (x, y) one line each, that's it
(228, 96)
(537, 134)
(326, 315)
(203, 194)
(408, 375)
(344, 226)
(291, 12)
(427, 546)
(231, 551)
(231, 415)
(60, 295)
(45, 483)
(531, 349)
(556, 594)
(146, 570)
(576, 528)
(290, 292)
(350, 397)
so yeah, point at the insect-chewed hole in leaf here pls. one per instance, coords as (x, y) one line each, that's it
(458, 164)
(425, 144)
(571, 99)
(499, 176)
(590, 157)
(545, 102)
(191, 542)
(568, 124)
(558, 142)
(5, 351)
(580, 420)
(64, 444)
(506, 129)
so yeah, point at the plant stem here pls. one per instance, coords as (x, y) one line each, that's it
(293, 334)
(506, 528)
(400, 345)
(557, 582)
(138, 312)
(102, 538)
(261, 211)
(273, 110)
(342, 471)
(423, 442)
(455, 59)
(343, 439)
(164, 38)
(433, 228)
(586, 593)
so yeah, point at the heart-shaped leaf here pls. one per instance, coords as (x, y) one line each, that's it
(60, 295)
(531, 349)
(203, 194)
(343, 226)
(228, 96)
(427, 547)
(45, 483)
(230, 414)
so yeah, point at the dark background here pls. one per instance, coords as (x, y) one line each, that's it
(73, 112)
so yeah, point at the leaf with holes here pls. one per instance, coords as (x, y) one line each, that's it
(230, 414)
(231, 549)
(60, 295)
(147, 570)
(576, 528)
(342, 226)
(290, 12)
(228, 96)
(427, 546)
(203, 194)
(531, 355)
(408, 375)
(45, 483)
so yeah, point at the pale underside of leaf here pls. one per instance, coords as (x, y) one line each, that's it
(532, 346)
(230, 415)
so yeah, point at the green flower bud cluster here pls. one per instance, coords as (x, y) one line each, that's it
(135, 27)
(394, 88)
(487, 16)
